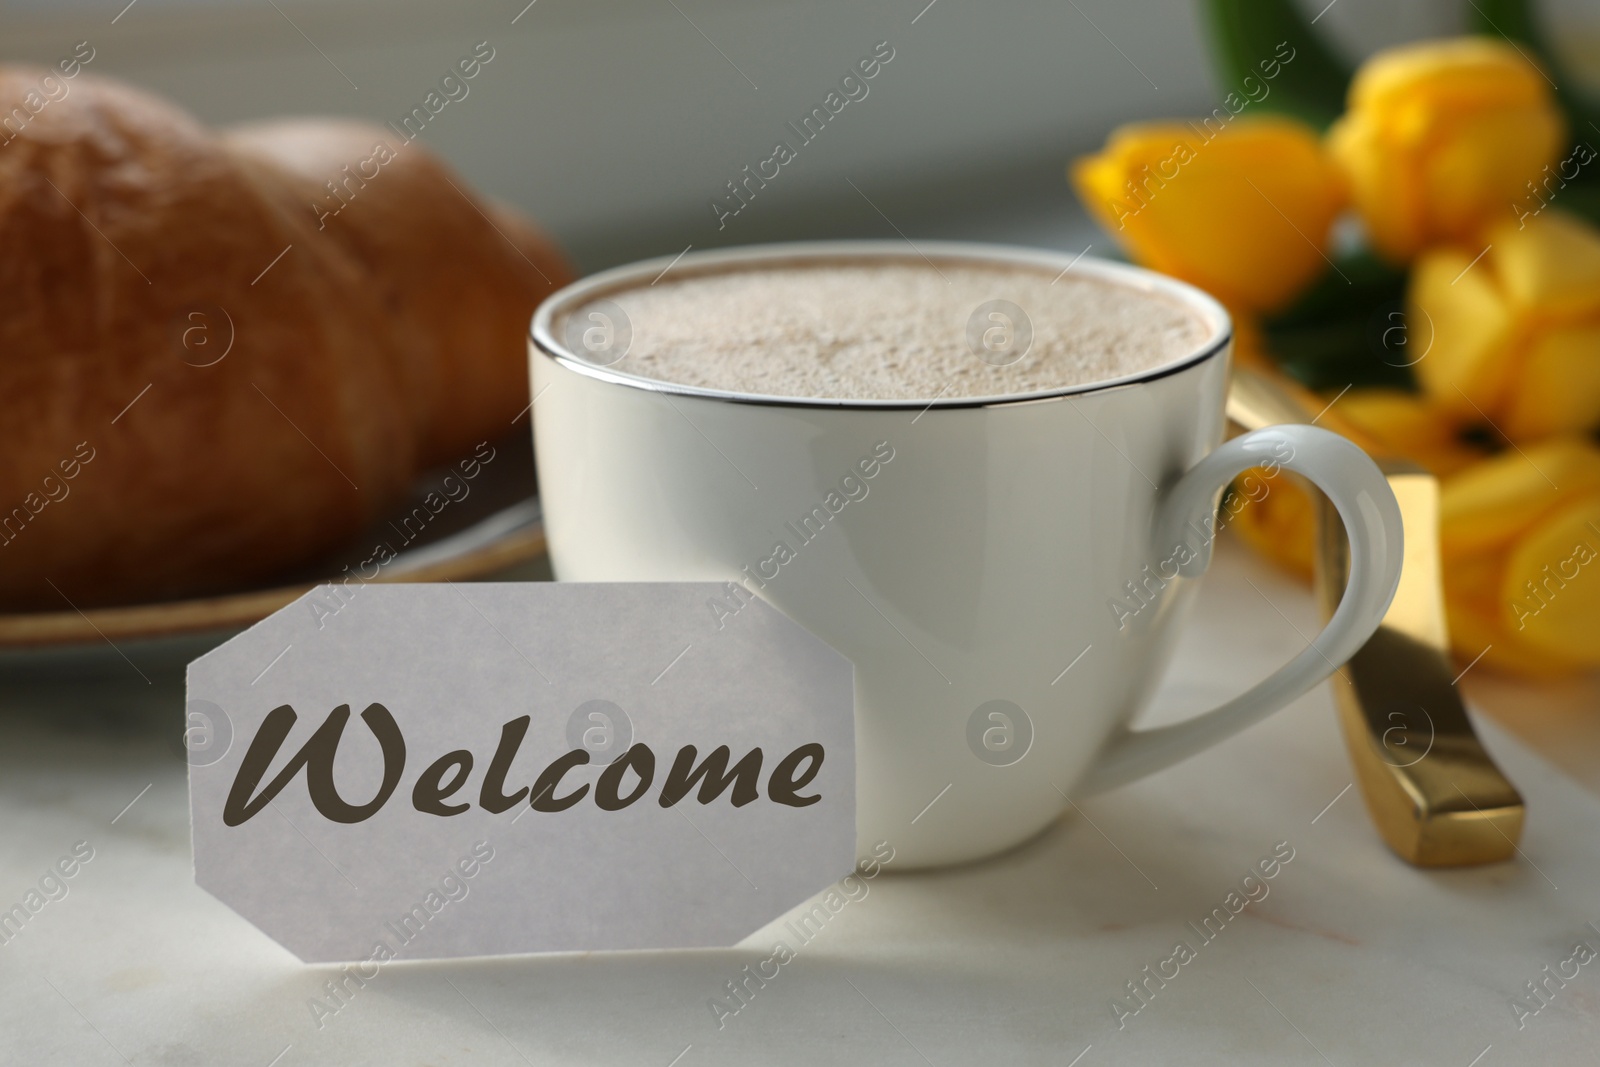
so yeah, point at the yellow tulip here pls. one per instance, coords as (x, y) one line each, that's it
(1280, 521)
(1405, 424)
(1519, 532)
(1520, 536)
(1513, 339)
(1550, 264)
(1521, 559)
(1242, 212)
(1487, 506)
(1551, 584)
(1443, 137)
(1275, 515)
(1474, 613)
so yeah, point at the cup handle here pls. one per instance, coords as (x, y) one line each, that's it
(1184, 528)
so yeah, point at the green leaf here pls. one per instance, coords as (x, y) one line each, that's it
(1356, 284)
(1349, 329)
(1511, 19)
(1582, 198)
(1336, 354)
(1311, 79)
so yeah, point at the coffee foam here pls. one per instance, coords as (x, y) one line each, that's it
(896, 330)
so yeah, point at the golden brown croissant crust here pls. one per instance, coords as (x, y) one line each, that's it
(223, 355)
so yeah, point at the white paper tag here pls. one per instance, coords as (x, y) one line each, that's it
(492, 790)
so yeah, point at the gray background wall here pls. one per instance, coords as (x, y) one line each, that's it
(615, 122)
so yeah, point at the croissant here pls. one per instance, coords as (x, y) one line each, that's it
(224, 354)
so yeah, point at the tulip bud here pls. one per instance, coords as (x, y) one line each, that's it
(1442, 138)
(1515, 333)
(1242, 211)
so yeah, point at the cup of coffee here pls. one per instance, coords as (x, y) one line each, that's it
(988, 476)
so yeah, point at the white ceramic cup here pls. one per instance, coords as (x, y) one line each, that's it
(1007, 573)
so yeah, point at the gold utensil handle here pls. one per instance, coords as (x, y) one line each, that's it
(1434, 794)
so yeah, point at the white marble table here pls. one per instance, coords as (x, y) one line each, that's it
(1351, 958)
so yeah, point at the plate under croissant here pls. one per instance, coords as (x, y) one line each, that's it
(492, 530)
